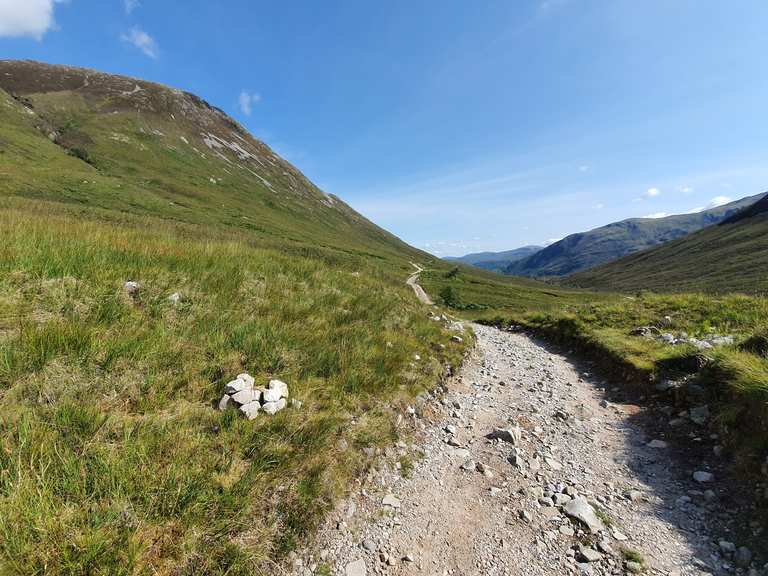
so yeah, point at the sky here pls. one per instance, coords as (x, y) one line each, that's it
(459, 126)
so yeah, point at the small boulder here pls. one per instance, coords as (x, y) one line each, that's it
(390, 501)
(587, 554)
(132, 288)
(245, 396)
(235, 386)
(581, 510)
(272, 395)
(251, 410)
(512, 435)
(703, 477)
(272, 408)
(174, 298)
(247, 378)
(356, 568)
(280, 387)
(225, 402)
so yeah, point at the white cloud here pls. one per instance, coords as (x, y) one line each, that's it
(584, 168)
(652, 192)
(717, 201)
(247, 100)
(657, 215)
(32, 18)
(686, 189)
(131, 5)
(599, 206)
(142, 41)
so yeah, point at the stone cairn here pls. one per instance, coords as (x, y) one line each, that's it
(241, 393)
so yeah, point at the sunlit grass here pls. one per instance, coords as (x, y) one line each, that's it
(112, 458)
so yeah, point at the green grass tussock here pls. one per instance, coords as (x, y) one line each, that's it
(112, 458)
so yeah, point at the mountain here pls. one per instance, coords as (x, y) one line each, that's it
(756, 209)
(143, 148)
(729, 257)
(585, 250)
(495, 260)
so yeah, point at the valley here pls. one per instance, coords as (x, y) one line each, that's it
(152, 252)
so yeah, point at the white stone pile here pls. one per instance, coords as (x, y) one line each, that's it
(240, 393)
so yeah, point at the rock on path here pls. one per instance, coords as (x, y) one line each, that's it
(522, 468)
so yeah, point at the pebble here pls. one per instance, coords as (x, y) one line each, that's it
(356, 568)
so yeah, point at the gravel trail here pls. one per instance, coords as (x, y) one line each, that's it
(413, 282)
(475, 506)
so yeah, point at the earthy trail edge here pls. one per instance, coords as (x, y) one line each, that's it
(413, 282)
(466, 510)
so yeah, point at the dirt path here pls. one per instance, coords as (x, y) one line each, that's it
(413, 282)
(473, 506)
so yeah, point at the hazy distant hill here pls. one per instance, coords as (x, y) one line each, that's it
(732, 256)
(585, 250)
(495, 260)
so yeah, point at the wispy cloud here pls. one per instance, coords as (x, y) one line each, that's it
(652, 193)
(598, 206)
(19, 18)
(143, 41)
(131, 5)
(247, 101)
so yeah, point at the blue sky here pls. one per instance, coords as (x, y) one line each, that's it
(460, 126)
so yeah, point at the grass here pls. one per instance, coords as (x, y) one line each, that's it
(113, 460)
(632, 556)
(603, 516)
(600, 325)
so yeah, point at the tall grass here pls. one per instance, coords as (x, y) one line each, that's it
(112, 457)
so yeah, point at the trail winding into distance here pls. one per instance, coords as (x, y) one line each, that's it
(474, 506)
(413, 282)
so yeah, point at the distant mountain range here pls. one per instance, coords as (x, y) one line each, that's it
(729, 257)
(585, 250)
(495, 261)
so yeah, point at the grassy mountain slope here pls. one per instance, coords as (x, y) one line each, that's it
(113, 459)
(495, 261)
(145, 149)
(585, 250)
(729, 257)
